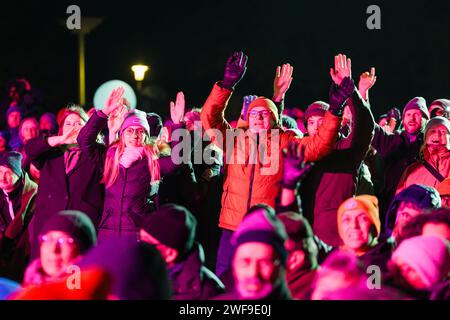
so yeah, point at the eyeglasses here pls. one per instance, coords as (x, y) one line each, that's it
(131, 131)
(256, 114)
(60, 240)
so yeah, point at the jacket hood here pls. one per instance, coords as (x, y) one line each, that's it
(424, 197)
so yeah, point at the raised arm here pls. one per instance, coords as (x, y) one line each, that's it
(212, 114)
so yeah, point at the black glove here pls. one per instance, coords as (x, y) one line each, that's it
(295, 168)
(234, 70)
(339, 96)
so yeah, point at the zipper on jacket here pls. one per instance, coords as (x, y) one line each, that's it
(121, 201)
(252, 174)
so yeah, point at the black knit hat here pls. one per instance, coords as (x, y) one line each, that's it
(155, 122)
(12, 160)
(172, 225)
(76, 224)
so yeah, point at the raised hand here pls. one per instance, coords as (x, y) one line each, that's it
(114, 101)
(115, 121)
(282, 81)
(245, 104)
(177, 108)
(295, 168)
(342, 68)
(70, 136)
(367, 80)
(234, 70)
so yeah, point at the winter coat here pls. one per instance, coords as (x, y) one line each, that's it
(192, 280)
(397, 152)
(334, 178)
(417, 173)
(80, 189)
(14, 238)
(132, 194)
(245, 185)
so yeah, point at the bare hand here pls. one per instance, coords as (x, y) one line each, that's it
(367, 80)
(114, 101)
(282, 81)
(342, 68)
(177, 108)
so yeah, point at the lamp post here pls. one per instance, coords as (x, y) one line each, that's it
(139, 71)
(87, 25)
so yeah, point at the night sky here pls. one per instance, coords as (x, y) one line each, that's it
(186, 44)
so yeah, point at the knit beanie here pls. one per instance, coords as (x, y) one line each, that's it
(429, 256)
(266, 103)
(296, 225)
(12, 160)
(443, 104)
(437, 121)
(262, 226)
(318, 108)
(417, 103)
(135, 118)
(367, 203)
(76, 224)
(172, 225)
(155, 124)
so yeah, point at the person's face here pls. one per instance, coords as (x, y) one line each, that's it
(256, 270)
(168, 254)
(438, 110)
(8, 179)
(347, 113)
(134, 136)
(437, 138)
(313, 124)
(2, 143)
(438, 229)
(410, 274)
(29, 130)
(260, 119)
(406, 211)
(331, 281)
(14, 119)
(45, 124)
(296, 258)
(58, 250)
(412, 121)
(355, 226)
(72, 121)
(383, 122)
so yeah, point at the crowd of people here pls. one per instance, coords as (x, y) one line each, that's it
(319, 203)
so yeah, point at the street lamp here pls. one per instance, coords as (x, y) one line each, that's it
(139, 74)
(87, 25)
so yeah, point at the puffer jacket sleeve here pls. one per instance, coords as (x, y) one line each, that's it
(213, 111)
(321, 144)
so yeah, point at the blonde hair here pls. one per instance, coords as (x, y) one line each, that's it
(111, 171)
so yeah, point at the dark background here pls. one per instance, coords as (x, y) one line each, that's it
(186, 44)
